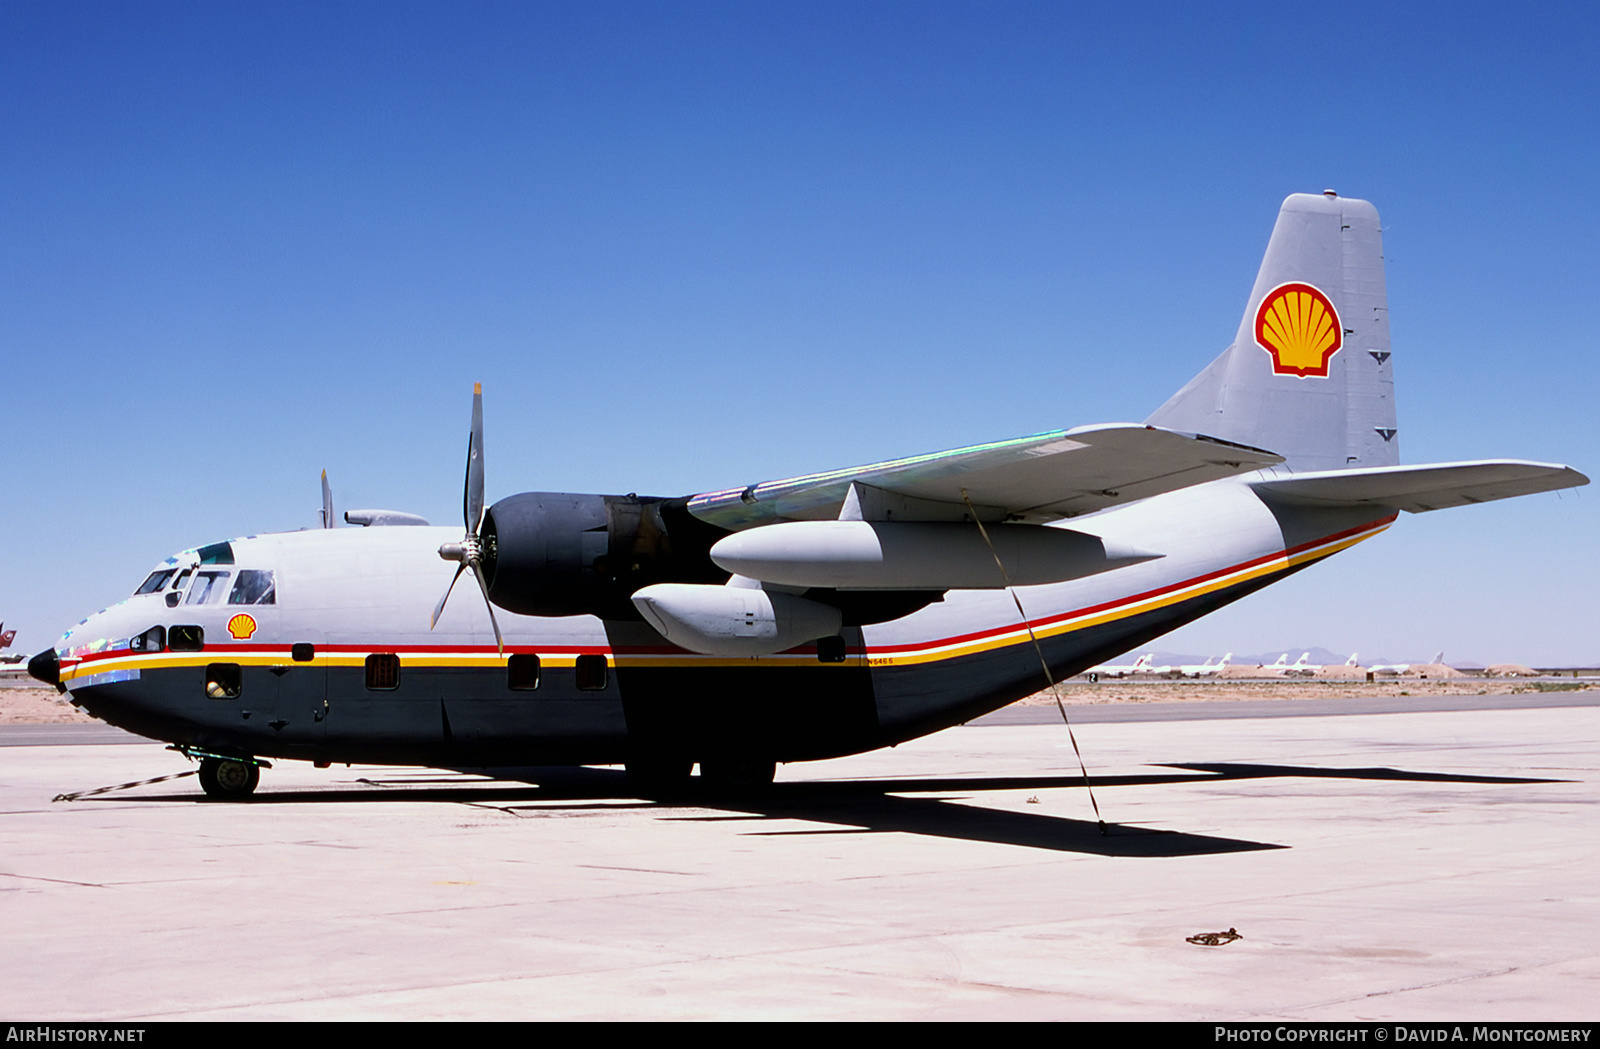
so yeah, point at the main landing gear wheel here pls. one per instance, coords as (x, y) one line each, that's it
(737, 774)
(228, 780)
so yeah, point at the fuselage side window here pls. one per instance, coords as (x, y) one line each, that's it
(253, 587)
(223, 681)
(591, 673)
(383, 671)
(152, 640)
(156, 581)
(207, 587)
(186, 638)
(522, 672)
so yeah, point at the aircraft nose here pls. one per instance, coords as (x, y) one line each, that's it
(46, 667)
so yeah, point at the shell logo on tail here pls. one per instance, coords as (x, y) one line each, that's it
(1297, 324)
(241, 626)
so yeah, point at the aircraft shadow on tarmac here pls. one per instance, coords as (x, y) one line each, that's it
(872, 806)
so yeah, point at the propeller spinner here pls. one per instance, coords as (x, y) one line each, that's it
(469, 552)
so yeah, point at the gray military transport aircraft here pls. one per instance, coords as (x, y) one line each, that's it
(796, 619)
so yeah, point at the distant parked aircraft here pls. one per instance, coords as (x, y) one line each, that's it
(1206, 669)
(1401, 668)
(6, 637)
(1145, 664)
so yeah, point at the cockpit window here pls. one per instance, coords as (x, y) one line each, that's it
(156, 581)
(216, 554)
(207, 586)
(253, 587)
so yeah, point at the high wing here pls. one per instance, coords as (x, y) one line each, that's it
(1421, 488)
(1029, 479)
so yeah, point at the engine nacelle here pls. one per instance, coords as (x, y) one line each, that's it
(883, 555)
(564, 554)
(734, 620)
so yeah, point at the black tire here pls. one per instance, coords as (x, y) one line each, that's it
(228, 780)
(737, 774)
(659, 776)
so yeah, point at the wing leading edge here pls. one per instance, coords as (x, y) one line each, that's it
(1034, 479)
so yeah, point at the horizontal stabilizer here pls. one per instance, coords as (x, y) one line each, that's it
(1420, 488)
(1030, 479)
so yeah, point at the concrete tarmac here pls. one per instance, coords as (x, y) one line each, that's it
(1435, 865)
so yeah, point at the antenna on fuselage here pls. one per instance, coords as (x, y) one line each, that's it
(327, 502)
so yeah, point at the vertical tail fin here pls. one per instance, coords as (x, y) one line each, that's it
(1309, 374)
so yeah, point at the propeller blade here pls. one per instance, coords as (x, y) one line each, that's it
(499, 642)
(468, 551)
(327, 502)
(439, 608)
(472, 498)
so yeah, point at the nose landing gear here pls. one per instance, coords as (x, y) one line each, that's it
(224, 779)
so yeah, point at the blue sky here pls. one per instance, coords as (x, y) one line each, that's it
(690, 246)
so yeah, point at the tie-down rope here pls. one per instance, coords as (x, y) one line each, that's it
(1043, 663)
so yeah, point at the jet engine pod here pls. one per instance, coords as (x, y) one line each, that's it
(733, 620)
(884, 555)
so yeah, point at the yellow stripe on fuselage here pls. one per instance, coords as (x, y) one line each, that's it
(907, 655)
(1019, 635)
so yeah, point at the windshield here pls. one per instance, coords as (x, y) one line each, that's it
(254, 587)
(156, 581)
(207, 587)
(216, 554)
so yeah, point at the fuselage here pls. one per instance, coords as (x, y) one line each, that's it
(336, 661)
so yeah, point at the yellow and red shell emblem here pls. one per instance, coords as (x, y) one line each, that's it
(241, 626)
(1298, 325)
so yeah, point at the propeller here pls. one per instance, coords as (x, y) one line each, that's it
(469, 552)
(327, 502)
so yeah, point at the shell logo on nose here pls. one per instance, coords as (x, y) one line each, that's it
(241, 626)
(1298, 325)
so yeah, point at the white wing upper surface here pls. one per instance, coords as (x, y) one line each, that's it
(1034, 479)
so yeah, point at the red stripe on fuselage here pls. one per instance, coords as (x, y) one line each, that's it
(283, 650)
